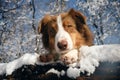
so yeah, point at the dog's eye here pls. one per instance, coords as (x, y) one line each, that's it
(69, 25)
(52, 31)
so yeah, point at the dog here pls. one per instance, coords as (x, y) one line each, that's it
(64, 32)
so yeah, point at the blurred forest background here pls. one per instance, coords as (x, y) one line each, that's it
(19, 21)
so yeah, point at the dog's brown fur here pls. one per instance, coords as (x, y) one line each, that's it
(74, 22)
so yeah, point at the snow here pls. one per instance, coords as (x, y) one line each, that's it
(62, 73)
(26, 59)
(102, 53)
(73, 72)
(52, 70)
(90, 58)
(3, 68)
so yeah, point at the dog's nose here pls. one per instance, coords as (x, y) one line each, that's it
(62, 45)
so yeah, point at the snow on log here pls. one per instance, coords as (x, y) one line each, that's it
(90, 58)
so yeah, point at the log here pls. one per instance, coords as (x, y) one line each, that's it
(106, 71)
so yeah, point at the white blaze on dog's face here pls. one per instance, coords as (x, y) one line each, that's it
(63, 41)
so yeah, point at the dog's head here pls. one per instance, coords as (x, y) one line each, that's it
(65, 31)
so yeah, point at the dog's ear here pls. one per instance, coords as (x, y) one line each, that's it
(43, 28)
(80, 20)
(78, 16)
(81, 25)
(43, 23)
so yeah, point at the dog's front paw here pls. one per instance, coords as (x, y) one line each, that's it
(46, 58)
(70, 57)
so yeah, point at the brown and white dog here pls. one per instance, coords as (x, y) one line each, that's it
(64, 32)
